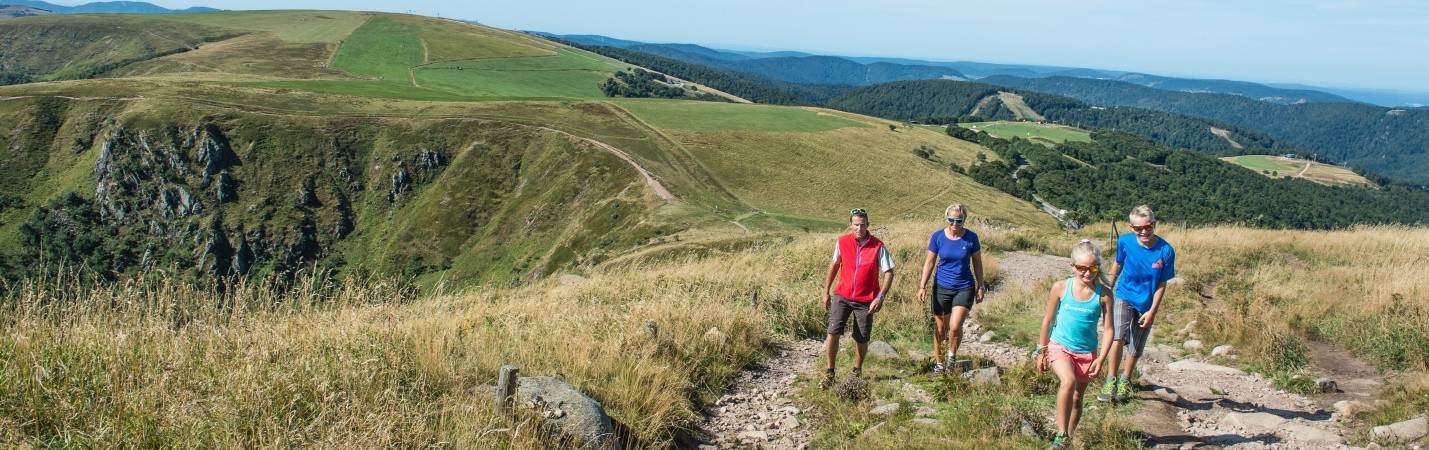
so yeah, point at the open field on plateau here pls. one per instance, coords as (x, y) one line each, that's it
(1030, 130)
(1279, 166)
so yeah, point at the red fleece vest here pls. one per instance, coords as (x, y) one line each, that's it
(858, 271)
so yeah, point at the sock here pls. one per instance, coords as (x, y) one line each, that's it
(1125, 377)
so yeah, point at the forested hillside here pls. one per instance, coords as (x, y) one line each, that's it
(1250, 90)
(1389, 141)
(748, 86)
(1102, 179)
(940, 101)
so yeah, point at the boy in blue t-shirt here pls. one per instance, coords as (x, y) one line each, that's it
(1144, 263)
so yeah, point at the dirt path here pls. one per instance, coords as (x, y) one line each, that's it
(1186, 402)
(649, 179)
(759, 410)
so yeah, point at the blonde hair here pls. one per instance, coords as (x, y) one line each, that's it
(1087, 248)
(956, 206)
(1142, 211)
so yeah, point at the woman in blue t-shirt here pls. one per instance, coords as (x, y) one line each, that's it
(957, 254)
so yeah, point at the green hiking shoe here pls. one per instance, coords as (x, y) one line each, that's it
(1059, 441)
(1123, 391)
(1108, 390)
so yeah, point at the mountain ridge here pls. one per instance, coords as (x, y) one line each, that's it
(116, 7)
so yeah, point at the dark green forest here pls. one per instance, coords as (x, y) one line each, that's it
(1389, 141)
(942, 101)
(641, 83)
(748, 86)
(1104, 179)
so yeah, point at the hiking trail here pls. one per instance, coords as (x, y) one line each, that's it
(1186, 401)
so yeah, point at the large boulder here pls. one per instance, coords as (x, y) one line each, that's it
(1406, 431)
(572, 416)
(882, 349)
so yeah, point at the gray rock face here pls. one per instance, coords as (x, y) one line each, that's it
(1406, 431)
(584, 419)
(1254, 422)
(1306, 434)
(989, 375)
(882, 349)
(884, 409)
(1189, 365)
(1222, 350)
(716, 336)
(987, 337)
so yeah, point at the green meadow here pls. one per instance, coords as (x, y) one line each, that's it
(1276, 166)
(711, 116)
(291, 26)
(1030, 130)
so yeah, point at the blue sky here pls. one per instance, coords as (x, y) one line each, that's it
(1381, 44)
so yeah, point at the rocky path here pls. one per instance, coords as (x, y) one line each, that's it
(759, 410)
(1186, 400)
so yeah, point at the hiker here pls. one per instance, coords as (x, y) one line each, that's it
(957, 253)
(1144, 262)
(1068, 342)
(859, 259)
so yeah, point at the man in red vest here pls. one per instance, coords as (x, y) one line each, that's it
(859, 258)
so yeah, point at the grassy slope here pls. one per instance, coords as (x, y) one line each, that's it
(1029, 130)
(66, 47)
(688, 145)
(1317, 172)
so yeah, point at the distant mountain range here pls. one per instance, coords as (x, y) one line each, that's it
(790, 66)
(106, 7)
(9, 11)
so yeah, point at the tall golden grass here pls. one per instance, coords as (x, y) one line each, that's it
(363, 363)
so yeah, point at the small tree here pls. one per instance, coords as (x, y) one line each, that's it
(892, 127)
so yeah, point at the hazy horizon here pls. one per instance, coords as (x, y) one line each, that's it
(1323, 43)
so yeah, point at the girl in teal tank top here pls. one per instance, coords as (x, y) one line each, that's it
(1068, 342)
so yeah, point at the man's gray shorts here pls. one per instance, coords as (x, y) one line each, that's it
(839, 310)
(1125, 328)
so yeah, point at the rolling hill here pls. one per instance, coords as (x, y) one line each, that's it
(381, 143)
(116, 7)
(11, 11)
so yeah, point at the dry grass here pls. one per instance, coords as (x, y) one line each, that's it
(364, 364)
(155, 363)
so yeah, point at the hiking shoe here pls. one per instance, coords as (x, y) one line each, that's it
(938, 369)
(951, 362)
(858, 372)
(828, 380)
(1123, 390)
(1108, 390)
(1059, 441)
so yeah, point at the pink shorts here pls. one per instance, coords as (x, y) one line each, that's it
(1081, 362)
